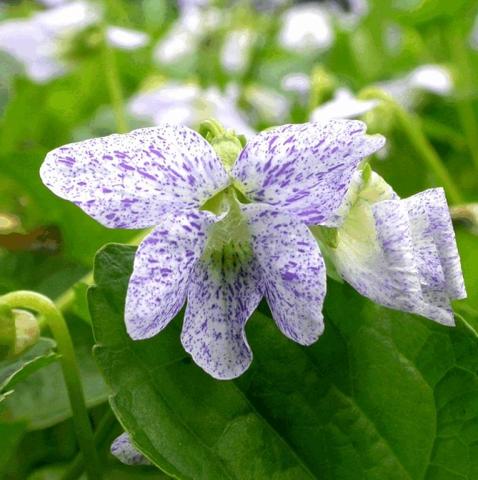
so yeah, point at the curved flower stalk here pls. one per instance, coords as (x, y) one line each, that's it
(124, 450)
(188, 104)
(38, 42)
(400, 253)
(231, 225)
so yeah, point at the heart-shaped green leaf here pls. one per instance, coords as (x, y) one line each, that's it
(382, 395)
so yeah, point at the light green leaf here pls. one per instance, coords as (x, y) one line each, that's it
(41, 399)
(35, 358)
(381, 395)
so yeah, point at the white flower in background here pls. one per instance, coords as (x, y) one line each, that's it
(268, 104)
(430, 78)
(126, 39)
(37, 42)
(185, 35)
(236, 50)
(344, 105)
(296, 83)
(306, 27)
(433, 78)
(188, 104)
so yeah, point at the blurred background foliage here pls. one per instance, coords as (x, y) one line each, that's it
(251, 64)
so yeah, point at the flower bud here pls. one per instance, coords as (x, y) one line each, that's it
(19, 330)
(27, 331)
(227, 147)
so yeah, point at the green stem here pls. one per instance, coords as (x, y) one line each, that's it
(465, 87)
(114, 85)
(71, 372)
(412, 129)
(66, 300)
(102, 433)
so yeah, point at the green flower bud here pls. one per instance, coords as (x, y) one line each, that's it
(225, 143)
(27, 331)
(19, 330)
(228, 147)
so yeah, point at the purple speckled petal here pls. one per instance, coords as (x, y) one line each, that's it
(305, 168)
(162, 267)
(434, 241)
(392, 275)
(293, 271)
(220, 301)
(124, 450)
(131, 180)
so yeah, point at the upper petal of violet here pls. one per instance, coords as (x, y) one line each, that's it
(131, 180)
(305, 168)
(292, 270)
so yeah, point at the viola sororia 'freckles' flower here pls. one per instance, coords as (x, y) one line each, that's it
(207, 247)
(401, 253)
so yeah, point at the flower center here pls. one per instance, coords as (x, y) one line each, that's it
(228, 245)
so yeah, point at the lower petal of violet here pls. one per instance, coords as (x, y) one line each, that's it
(223, 294)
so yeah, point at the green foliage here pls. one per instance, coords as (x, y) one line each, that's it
(13, 371)
(10, 435)
(41, 399)
(381, 395)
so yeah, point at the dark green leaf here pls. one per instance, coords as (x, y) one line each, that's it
(10, 435)
(381, 395)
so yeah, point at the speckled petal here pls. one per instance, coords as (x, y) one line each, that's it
(400, 283)
(131, 180)
(220, 301)
(293, 272)
(162, 267)
(305, 168)
(433, 231)
(124, 450)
